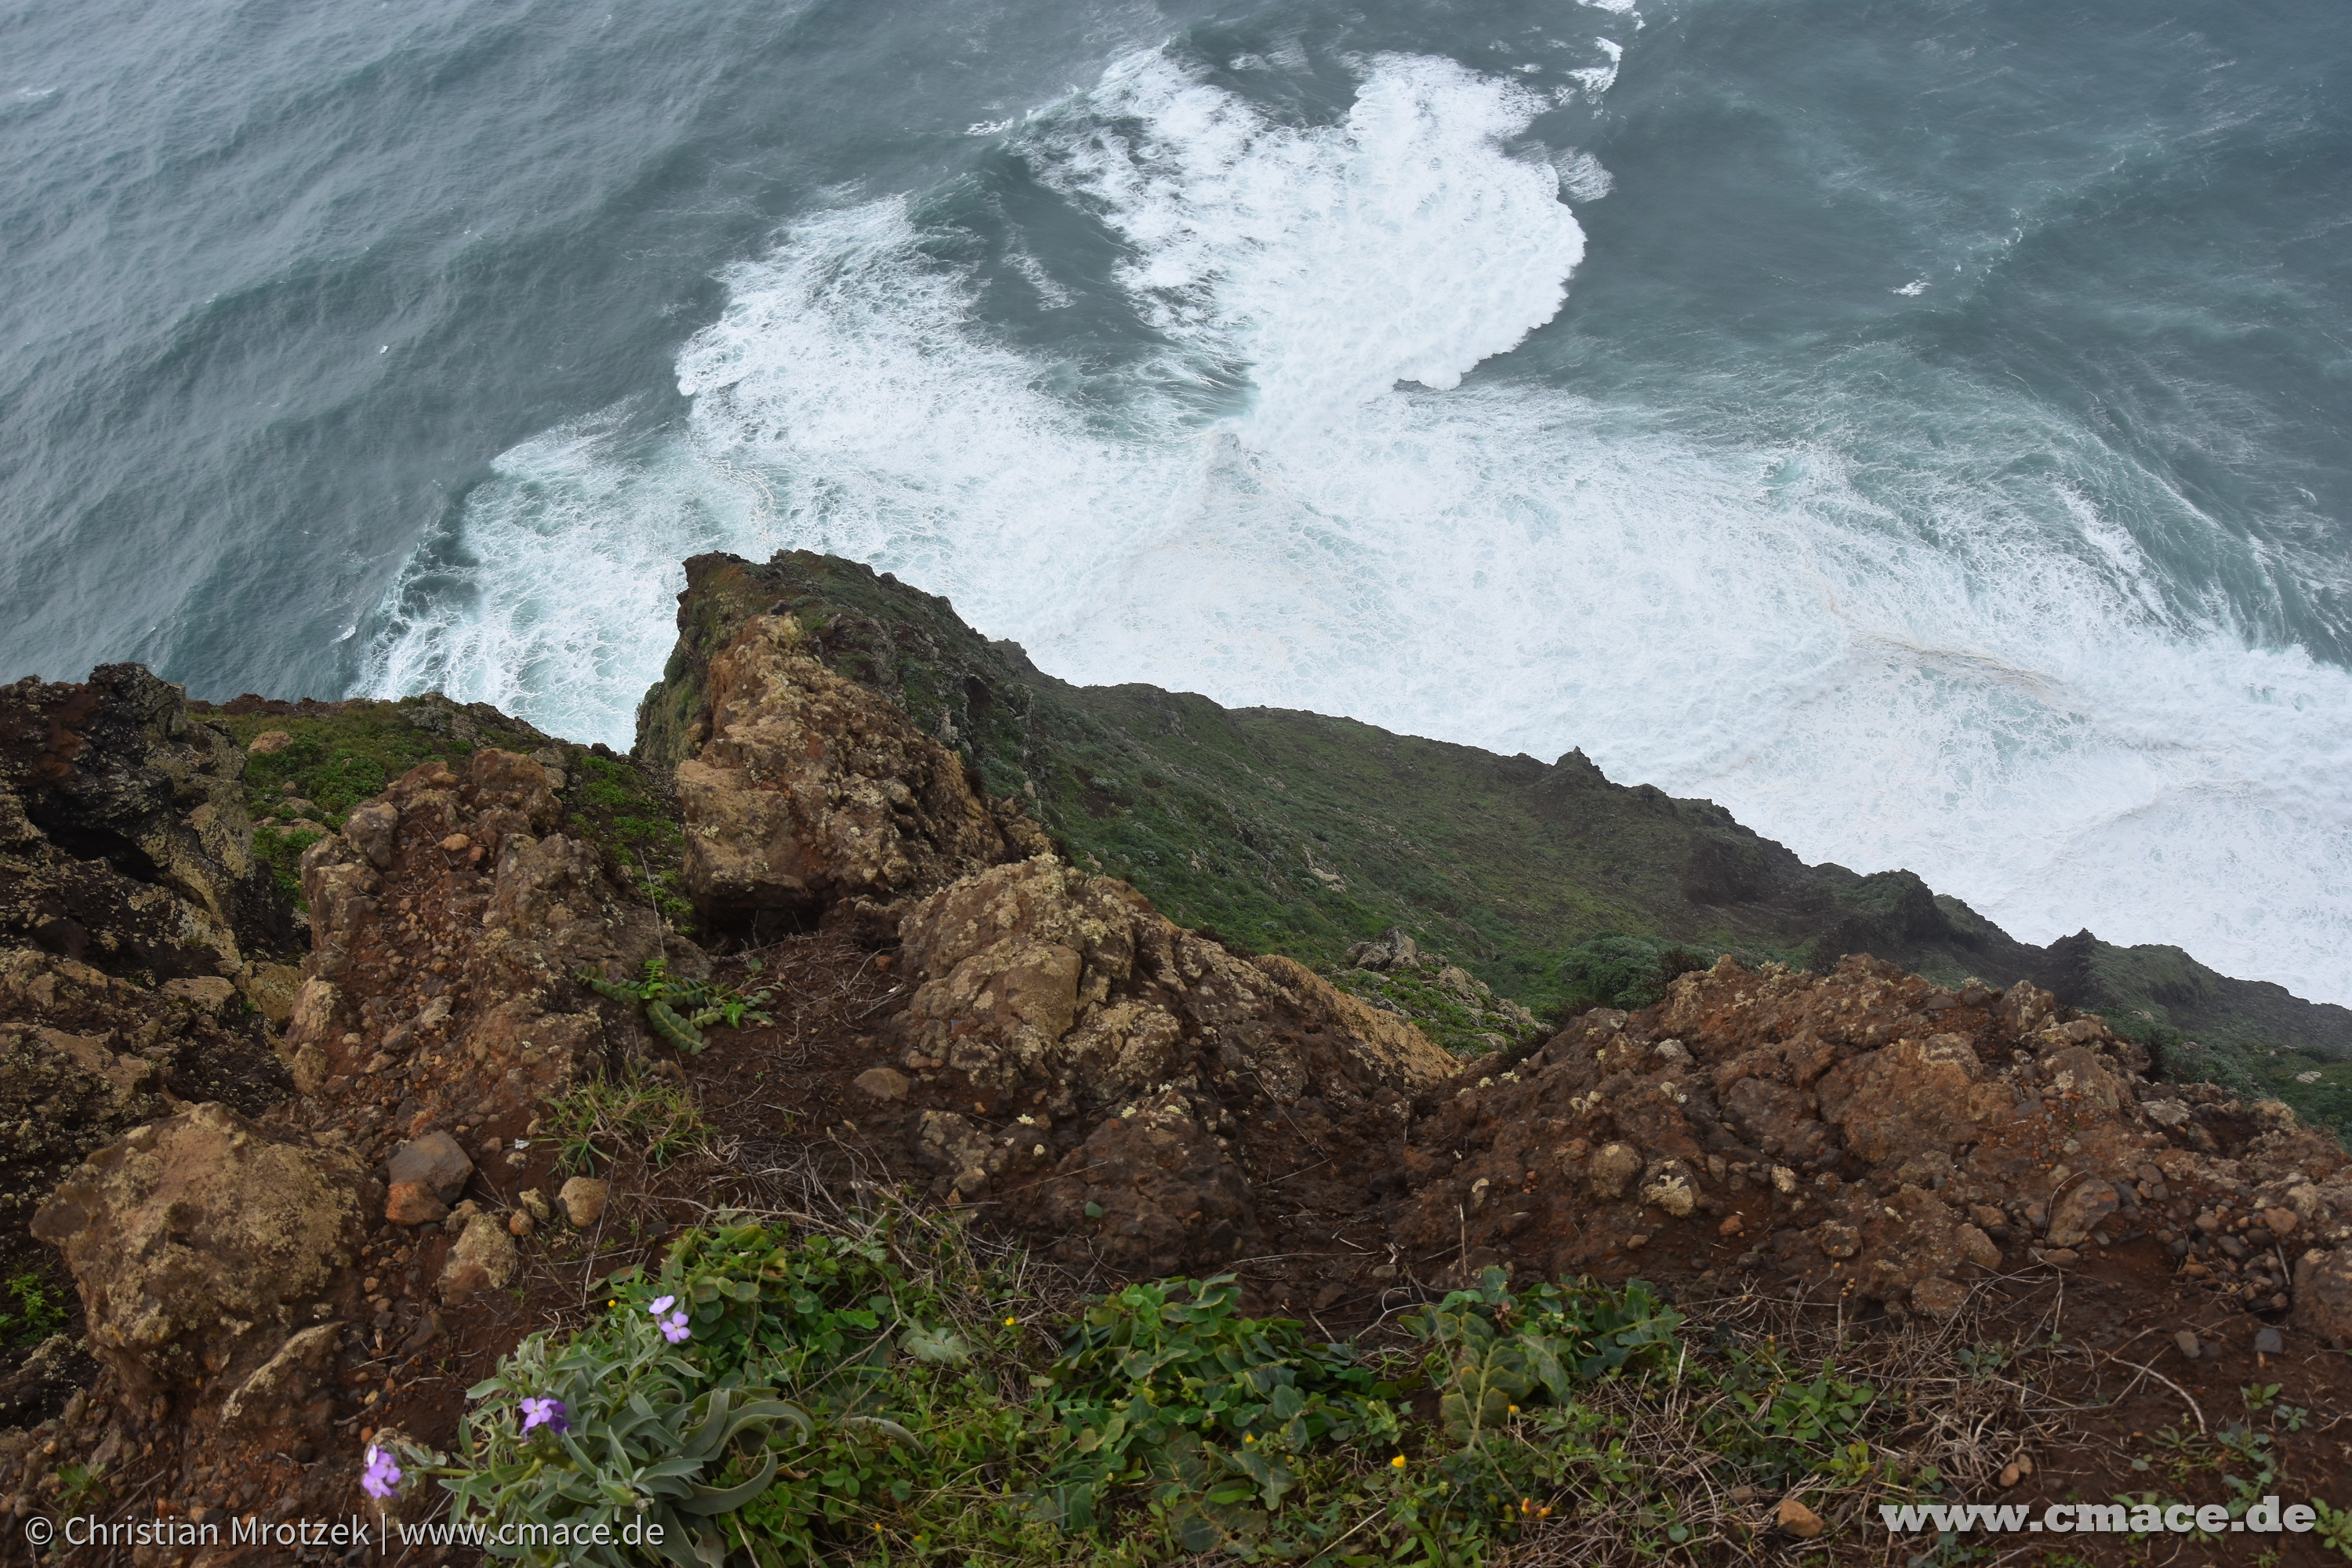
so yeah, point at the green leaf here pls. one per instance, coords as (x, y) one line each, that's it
(937, 1347)
(734, 1497)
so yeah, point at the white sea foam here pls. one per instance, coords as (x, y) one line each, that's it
(1950, 680)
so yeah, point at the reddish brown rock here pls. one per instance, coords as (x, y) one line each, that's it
(413, 1204)
(810, 790)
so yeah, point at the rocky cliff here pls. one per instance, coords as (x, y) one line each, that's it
(350, 1042)
(1548, 883)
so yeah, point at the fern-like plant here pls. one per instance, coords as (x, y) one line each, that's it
(679, 1010)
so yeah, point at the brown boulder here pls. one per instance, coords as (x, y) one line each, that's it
(412, 1204)
(433, 1162)
(584, 1199)
(1153, 1194)
(1911, 1097)
(810, 789)
(2080, 1210)
(200, 1245)
(457, 972)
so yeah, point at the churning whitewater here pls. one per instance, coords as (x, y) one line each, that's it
(1176, 387)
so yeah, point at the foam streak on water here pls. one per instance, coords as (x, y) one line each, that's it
(1932, 673)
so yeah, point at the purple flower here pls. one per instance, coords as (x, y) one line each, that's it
(382, 1477)
(673, 1326)
(547, 1413)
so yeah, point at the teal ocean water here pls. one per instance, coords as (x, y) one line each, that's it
(1923, 429)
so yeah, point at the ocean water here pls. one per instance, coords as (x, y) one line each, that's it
(1922, 429)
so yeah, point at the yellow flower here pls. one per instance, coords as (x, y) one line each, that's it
(1010, 1321)
(1249, 1437)
(1515, 1410)
(1398, 1461)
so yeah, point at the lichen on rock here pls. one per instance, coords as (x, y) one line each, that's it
(201, 1244)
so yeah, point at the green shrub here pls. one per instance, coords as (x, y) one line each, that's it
(643, 1436)
(1629, 971)
(1168, 1386)
(886, 1402)
(604, 1116)
(679, 1010)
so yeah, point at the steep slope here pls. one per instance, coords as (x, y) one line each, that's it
(1304, 834)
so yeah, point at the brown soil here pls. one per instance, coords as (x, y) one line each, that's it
(2093, 1374)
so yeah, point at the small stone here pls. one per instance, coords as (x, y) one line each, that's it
(2282, 1221)
(1732, 1226)
(436, 1161)
(2011, 1475)
(519, 1225)
(1939, 1297)
(535, 1204)
(882, 1083)
(1612, 1170)
(2187, 1341)
(1797, 1519)
(2080, 1211)
(209, 992)
(457, 841)
(1635, 1242)
(2269, 1342)
(412, 1203)
(2061, 1257)
(268, 741)
(484, 1258)
(584, 1199)
(1743, 1494)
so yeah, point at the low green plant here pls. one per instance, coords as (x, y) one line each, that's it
(602, 1117)
(637, 1435)
(679, 1010)
(2334, 1528)
(80, 1485)
(37, 1314)
(1614, 970)
(1167, 1387)
(280, 849)
(929, 1419)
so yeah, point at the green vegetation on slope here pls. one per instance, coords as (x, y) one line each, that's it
(886, 1394)
(1300, 834)
(338, 754)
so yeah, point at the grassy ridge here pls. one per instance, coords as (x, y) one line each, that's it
(1302, 834)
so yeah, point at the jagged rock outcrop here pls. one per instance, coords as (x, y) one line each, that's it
(140, 941)
(810, 790)
(1119, 1068)
(1868, 1132)
(209, 1254)
(85, 1057)
(114, 774)
(450, 919)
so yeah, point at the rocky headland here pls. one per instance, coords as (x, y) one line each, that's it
(346, 1045)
